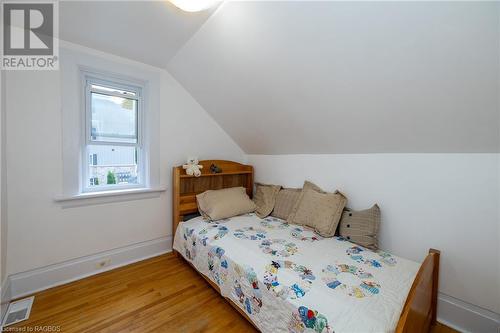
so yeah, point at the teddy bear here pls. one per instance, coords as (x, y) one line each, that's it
(192, 167)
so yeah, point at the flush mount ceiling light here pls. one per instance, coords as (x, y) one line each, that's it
(193, 5)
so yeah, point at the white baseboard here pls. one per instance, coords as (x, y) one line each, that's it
(466, 317)
(27, 283)
(5, 297)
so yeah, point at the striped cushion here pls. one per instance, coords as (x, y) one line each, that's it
(285, 201)
(361, 227)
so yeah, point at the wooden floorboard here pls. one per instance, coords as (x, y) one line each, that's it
(162, 294)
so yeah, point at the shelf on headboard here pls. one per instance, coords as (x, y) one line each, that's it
(219, 174)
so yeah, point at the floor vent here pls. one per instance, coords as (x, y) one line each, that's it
(18, 311)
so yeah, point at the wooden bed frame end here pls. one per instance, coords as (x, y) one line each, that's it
(420, 309)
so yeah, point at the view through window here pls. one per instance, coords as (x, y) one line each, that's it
(113, 140)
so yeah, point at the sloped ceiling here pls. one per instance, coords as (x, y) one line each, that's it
(348, 77)
(147, 31)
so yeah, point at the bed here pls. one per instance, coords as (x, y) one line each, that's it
(285, 278)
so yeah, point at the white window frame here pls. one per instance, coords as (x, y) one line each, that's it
(93, 78)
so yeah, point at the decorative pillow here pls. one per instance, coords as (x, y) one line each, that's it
(285, 201)
(264, 198)
(318, 209)
(361, 227)
(221, 204)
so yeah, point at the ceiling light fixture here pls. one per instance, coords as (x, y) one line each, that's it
(193, 5)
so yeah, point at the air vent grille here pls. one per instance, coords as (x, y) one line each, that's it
(18, 311)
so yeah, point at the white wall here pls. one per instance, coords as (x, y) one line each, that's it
(4, 289)
(445, 201)
(3, 187)
(349, 76)
(41, 231)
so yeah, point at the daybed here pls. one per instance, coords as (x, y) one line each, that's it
(286, 278)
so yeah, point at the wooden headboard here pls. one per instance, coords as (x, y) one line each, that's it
(185, 188)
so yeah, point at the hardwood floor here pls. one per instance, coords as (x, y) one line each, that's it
(162, 294)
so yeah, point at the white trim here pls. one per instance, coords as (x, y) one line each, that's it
(99, 198)
(27, 283)
(90, 76)
(5, 297)
(465, 317)
(112, 193)
(73, 61)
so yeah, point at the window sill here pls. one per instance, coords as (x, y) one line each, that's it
(92, 198)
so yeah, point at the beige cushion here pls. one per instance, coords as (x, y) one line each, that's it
(361, 227)
(221, 204)
(285, 201)
(318, 209)
(264, 198)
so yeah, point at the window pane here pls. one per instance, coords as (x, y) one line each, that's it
(114, 119)
(110, 165)
(113, 90)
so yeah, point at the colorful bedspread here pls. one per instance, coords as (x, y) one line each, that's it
(289, 279)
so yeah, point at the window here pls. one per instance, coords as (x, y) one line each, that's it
(113, 145)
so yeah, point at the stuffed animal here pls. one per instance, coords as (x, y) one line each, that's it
(215, 169)
(192, 167)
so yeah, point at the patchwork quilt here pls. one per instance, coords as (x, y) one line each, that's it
(289, 279)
